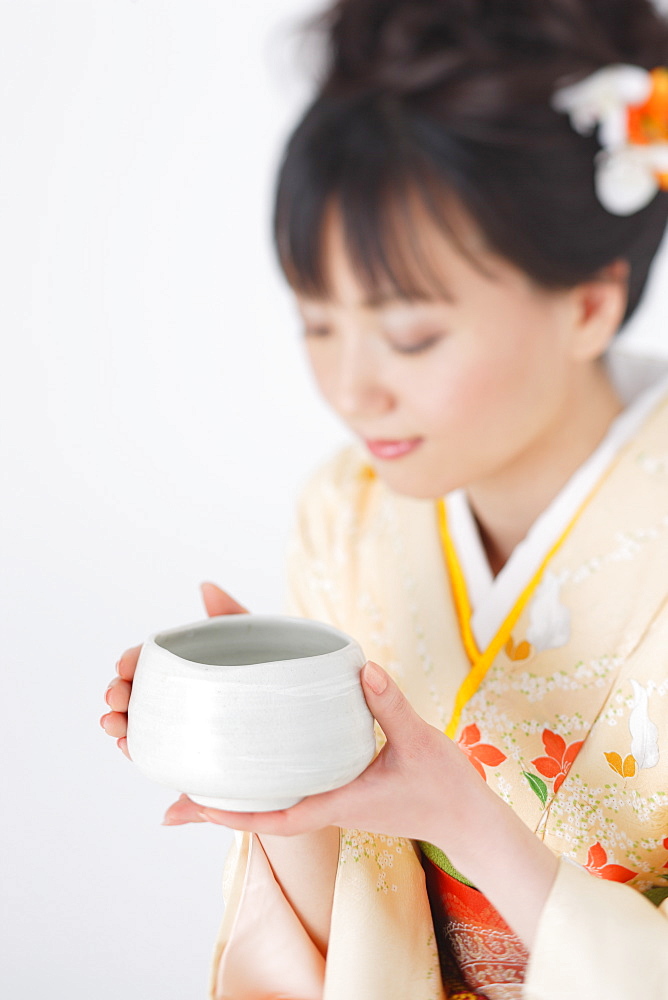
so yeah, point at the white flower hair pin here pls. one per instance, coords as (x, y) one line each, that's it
(630, 107)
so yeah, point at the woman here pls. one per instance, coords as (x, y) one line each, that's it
(467, 214)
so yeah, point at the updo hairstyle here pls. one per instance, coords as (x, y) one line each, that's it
(450, 99)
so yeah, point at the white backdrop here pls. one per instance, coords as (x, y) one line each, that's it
(157, 422)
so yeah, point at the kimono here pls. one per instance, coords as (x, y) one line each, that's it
(551, 677)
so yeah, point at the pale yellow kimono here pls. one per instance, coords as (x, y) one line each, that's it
(582, 658)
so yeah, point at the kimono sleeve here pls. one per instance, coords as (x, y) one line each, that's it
(262, 950)
(317, 562)
(597, 938)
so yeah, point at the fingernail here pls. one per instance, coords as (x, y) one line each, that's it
(168, 821)
(375, 678)
(118, 666)
(103, 721)
(203, 815)
(108, 691)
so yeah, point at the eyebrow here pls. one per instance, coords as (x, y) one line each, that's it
(380, 299)
(377, 300)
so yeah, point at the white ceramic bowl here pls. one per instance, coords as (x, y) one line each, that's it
(250, 712)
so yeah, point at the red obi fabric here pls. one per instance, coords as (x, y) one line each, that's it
(480, 955)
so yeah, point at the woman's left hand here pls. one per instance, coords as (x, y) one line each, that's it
(419, 784)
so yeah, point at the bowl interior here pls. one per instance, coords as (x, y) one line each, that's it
(236, 642)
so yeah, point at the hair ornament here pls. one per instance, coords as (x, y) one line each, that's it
(629, 105)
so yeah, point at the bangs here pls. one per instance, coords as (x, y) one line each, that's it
(359, 162)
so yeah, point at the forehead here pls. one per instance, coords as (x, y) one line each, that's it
(421, 261)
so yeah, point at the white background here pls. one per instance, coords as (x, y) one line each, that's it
(157, 422)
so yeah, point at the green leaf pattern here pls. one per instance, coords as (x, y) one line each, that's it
(537, 785)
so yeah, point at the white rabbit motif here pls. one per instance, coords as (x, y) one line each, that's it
(550, 620)
(644, 734)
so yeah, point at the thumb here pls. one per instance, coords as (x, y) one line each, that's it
(183, 811)
(219, 602)
(387, 703)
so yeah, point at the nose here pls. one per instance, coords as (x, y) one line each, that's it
(359, 388)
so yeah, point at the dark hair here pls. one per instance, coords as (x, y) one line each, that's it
(451, 99)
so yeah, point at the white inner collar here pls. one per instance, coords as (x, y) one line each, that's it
(640, 381)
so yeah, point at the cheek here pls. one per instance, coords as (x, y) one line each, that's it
(457, 393)
(491, 391)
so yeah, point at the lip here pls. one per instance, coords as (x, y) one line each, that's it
(393, 449)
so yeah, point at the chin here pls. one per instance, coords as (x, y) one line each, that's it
(417, 487)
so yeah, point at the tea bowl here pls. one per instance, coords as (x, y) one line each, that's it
(250, 712)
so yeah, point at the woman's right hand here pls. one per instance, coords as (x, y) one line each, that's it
(117, 697)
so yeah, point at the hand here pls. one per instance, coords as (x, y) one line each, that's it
(117, 696)
(422, 787)
(419, 776)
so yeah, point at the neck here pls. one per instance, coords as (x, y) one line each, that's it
(507, 505)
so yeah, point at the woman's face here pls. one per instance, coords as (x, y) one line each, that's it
(467, 389)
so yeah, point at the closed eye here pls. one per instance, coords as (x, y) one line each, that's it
(316, 331)
(424, 345)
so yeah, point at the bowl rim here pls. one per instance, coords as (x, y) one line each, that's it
(212, 621)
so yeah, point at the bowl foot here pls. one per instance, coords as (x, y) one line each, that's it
(245, 805)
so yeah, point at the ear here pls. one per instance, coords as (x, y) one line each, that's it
(600, 304)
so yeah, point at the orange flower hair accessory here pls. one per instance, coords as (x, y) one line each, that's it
(629, 105)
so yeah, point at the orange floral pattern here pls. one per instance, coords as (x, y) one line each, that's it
(624, 768)
(648, 122)
(479, 753)
(521, 651)
(559, 757)
(597, 864)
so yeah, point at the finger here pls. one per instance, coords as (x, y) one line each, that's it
(387, 703)
(127, 663)
(313, 813)
(278, 823)
(219, 602)
(122, 745)
(117, 695)
(183, 811)
(115, 724)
